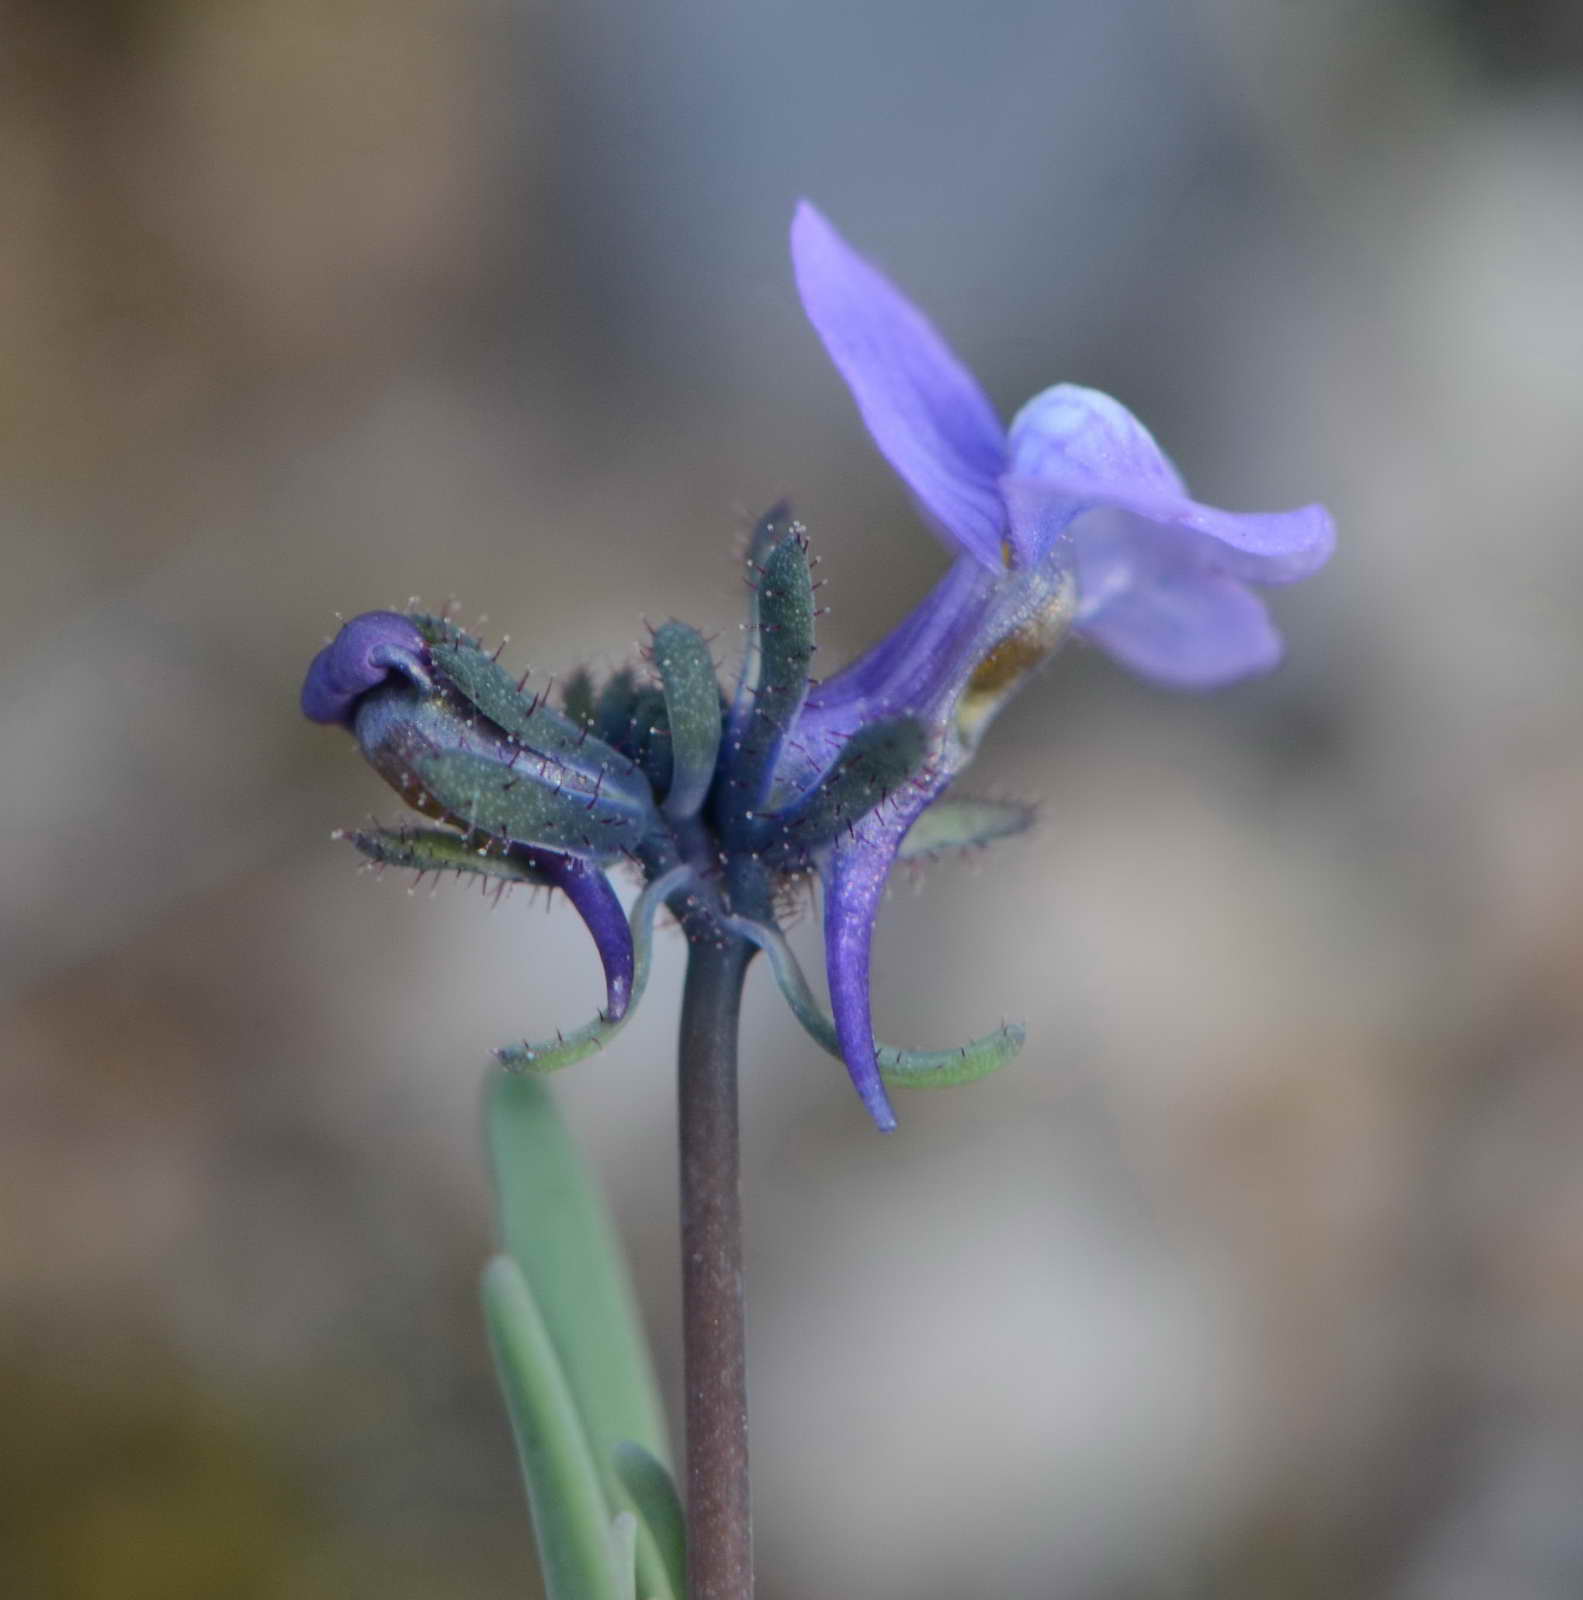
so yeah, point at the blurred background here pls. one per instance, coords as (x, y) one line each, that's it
(1261, 1273)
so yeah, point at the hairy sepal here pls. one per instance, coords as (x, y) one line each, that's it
(578, 698)
(613, 706)
(485, 796)
(439, 850)
(949, 826)
(692, 712)
(871, 766)
(780, 651)
(528, 720)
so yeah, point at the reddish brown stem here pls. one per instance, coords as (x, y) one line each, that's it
(719, 1528)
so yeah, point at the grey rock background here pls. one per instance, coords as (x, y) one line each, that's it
(1261, 1274)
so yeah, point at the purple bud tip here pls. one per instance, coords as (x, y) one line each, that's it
(877, 1103)
(364, 653)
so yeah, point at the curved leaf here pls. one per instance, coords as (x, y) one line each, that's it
(652, 1490)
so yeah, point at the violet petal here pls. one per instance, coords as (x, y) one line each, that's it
(1187, 629)
(1074, 450)
(925, 410)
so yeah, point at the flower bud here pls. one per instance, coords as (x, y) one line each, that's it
(449, 730)
(366, 651)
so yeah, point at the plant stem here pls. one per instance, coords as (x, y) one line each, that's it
(714, 1359)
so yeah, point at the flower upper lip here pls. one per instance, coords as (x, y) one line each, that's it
(1162, 578)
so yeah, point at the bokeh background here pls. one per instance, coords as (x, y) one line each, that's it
(1261, 1274)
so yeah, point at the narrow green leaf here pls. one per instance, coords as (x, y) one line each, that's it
(550, 1055)
(910, 1069)
(692, 707)
(571, 1517)
(517, 803)
(653, 1491)
(962, 824)
(624, 1554)
(555, 1226)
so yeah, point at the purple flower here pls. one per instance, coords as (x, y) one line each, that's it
(1161, 579)
(1072, 519)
